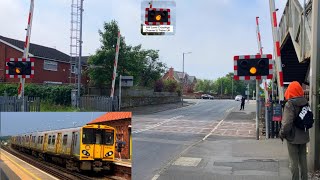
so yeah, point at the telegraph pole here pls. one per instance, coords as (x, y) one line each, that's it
(313, 154)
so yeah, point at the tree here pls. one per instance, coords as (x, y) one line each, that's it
(143, 65)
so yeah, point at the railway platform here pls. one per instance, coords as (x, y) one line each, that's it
(15, 168)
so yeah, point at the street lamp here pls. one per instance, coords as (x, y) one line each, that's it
(183, 74)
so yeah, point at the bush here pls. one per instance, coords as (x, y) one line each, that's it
(158, 86)
(170, 85)
(59, 95)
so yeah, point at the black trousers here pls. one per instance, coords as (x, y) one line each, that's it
(242, 106)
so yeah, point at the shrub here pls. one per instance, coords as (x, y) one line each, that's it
(59, 94)
(158, 86)
(170, 85)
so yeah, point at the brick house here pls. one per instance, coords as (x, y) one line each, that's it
(190, 81)
(51, 65)
(121, 121)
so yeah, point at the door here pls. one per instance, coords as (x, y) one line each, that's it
(98, 152)
(45, 142)
(73, 143)
(58, 144)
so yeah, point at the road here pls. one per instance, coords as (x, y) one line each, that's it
(158, 139)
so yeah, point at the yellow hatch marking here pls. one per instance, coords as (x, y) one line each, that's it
(21, 167)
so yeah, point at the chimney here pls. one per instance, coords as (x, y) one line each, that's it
(171, 73)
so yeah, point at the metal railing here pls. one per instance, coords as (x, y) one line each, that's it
(99, 103)
(13, 104)
(292, 23)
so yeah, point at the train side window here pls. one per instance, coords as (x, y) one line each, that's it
(38, 140)
(65, 139)
(53, 139)
(41, 139)
(49, 141)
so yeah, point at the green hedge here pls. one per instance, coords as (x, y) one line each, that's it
(58, 94)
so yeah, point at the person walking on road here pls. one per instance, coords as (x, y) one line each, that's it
(243, 101)
(297, 137)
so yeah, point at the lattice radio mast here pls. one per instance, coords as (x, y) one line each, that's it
(74, 40)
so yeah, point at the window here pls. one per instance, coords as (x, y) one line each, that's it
(38, 139)
(53, 139)
(65, 139)
(74, 69)
(49, 141)
(41, 140)
(97, 136)
(50, 65)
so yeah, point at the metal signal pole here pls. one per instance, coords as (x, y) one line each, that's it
(25, 54)
(313, 154)
(80, 54)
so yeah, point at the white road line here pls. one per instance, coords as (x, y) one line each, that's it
(12, 156)
(155, 177)
(158, 124)
(185, 150)
(215, 128)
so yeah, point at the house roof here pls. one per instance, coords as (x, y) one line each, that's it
(41, 51)
(112, 116)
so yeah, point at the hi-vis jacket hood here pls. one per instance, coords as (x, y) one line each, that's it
(294, 90)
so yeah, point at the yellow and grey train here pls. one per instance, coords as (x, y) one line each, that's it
(86, 148)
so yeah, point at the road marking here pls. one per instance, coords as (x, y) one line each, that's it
(155, 177)
(157, 125)
(215, 128)
(29, 165)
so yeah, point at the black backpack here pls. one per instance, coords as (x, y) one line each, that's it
(304, 119)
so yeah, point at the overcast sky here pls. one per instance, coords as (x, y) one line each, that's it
(18, 122)
(214, 30)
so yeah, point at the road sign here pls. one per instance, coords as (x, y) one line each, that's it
(20, 67)
(253, 67)
(126, 81)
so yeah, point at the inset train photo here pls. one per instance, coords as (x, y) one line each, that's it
(88, 145)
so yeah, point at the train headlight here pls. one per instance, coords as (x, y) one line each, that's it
(109, 153)
(85, 153)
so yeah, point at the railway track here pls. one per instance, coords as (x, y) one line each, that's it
(55, 170)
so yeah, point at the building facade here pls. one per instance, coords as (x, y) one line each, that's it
(179, 77)
(51, 66)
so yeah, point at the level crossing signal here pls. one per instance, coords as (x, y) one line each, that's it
(253, 67)
(20, 67)
(157, 16)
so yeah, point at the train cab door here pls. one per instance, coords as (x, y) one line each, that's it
(58, 144)
(45, 142)
(98, 151)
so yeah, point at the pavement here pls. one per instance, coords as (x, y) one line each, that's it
(210, 140)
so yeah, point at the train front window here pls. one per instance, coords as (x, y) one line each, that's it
(97, 136)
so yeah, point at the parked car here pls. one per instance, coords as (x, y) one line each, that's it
(238, 98)
(206, 96)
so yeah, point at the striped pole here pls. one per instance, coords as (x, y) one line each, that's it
(260, 50)
(26, 52)
(276, 37)
(115, 66)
